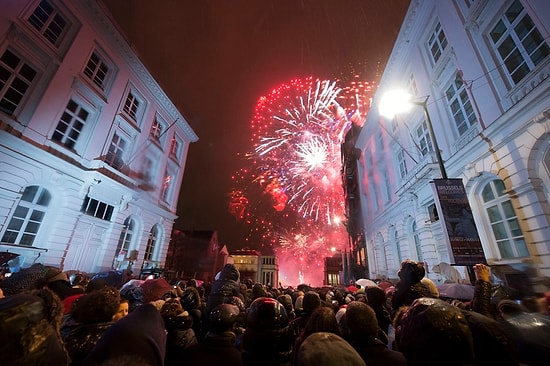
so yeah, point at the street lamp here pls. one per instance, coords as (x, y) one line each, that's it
(398, 101)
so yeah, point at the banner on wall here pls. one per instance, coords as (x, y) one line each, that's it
(458, 223)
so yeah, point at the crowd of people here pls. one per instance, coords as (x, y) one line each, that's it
(50, 318)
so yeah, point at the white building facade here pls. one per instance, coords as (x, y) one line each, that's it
(92, 150)
(484, 68)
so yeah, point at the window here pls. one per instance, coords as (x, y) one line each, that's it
(124, 241)
(503, 220)
(97, 70)
(131, 106)
(156, 130)
(115, 155)
(518, 42)
(16, 77)
(27, 217)
(151, 243)
(402, 163)
(166, 190)
(460, 105)
(417, 243)
(175, 147)
(423, 139)
(437, 43)
(71, 124)
(48, 22)
(96, 208)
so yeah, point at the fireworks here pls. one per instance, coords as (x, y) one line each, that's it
(291, 192)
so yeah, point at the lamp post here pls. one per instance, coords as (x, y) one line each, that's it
(399, 101)
(395, 102)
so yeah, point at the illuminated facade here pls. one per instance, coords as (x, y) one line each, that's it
(255, 267)
(484, 67)
(92, 150)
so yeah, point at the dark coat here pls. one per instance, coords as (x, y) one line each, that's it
(215, 349)
(376, 353)
(79, 339)
(180, 336)
(224, 288)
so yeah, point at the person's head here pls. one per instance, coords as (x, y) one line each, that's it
(229, 272)
(123, 309)
(327, 349)
(376, 297)
(266, 313)
(97, 306)
(431, 330)
(223, 318)
(322, 319)
(411, 271)
(29, 329)
(361, 320)
(311, 302)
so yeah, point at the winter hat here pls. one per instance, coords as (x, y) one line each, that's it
(286, 300)
(154, 289)
(223, 317)
(327, 349)
(55, 274)
(311, 301)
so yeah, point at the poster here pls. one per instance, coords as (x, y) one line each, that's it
(458, 222)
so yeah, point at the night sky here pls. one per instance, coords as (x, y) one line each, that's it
(215, 58)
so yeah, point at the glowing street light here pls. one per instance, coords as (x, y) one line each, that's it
(398, 101)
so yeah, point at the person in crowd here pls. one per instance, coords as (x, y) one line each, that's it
(58, 281)
(377, 300)
(123, 309)
(310, 302)
(140, 337)
(267, 340)
(327, 349)
(322, 319)
(29, 329)
(362, 332)
(191, 302)
(258, 290)
(432, 332)
(430, 285)
(180, 333)
(90, 317)
(286, 300)
(530, 332)
(226, 286)
(409, 287)
(219, 346)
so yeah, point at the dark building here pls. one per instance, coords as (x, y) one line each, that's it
(195, 254)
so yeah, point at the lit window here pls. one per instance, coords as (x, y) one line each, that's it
(48, 22)
(503, 220)
(156, 130)
(27, 216)
(175, 147)
(70, 126)
(460, 105)
(518, 42)
(16, 77)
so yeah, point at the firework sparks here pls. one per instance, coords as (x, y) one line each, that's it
(291, 192)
